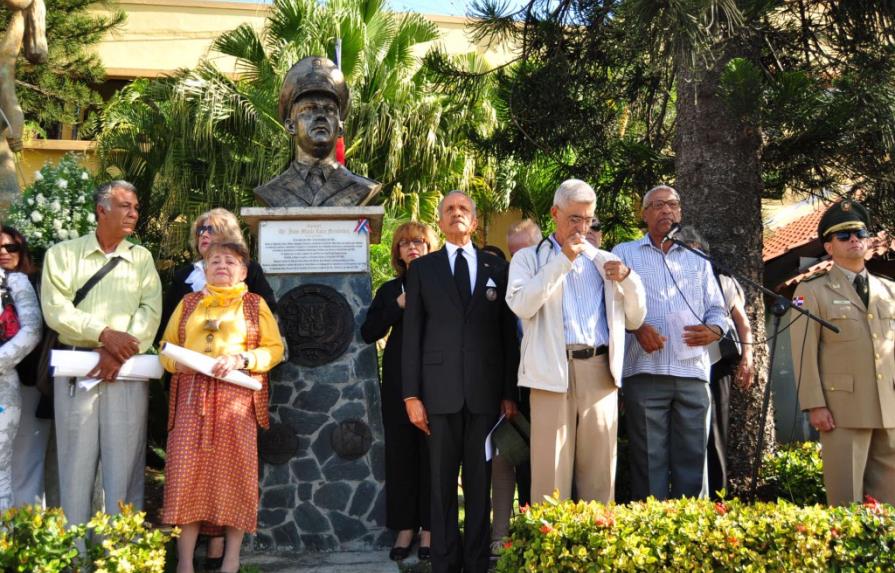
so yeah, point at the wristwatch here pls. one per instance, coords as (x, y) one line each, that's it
(245, 360)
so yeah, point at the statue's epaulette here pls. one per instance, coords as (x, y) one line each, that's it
(816, 275)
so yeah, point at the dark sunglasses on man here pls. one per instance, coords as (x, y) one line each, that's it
(596, 227)
(11, 247)
(846, 235)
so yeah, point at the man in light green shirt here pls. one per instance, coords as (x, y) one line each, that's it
(118, 318)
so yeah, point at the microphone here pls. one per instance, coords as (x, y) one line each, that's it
(674, 230)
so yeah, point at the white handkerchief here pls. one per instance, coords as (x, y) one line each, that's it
(491, 283)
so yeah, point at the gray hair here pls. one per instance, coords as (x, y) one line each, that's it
(525, 227)
(689, 235)
(649, 195)
(456, 192)
(573, 191)
(103, 195)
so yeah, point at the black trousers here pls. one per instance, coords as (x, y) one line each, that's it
(717, 446)
(407, 481)
(459, 440)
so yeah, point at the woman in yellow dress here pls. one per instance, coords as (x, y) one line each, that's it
(211, 474)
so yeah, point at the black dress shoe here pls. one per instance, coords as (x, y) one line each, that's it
(213, 563)
(399, 553)
(424, 553)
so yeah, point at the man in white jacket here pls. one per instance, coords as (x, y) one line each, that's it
(575, 302)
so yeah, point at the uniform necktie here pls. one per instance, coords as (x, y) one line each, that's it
(862, 289)
(315, 178)
(461, 277)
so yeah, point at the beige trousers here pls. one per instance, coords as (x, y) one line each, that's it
(573, 435)
(859, 462)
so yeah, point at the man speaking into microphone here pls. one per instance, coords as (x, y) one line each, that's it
(666, 374)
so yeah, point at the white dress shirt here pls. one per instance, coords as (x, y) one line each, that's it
(471, 260)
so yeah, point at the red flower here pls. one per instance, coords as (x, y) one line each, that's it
(733, 540)
(873, 505)
(720, 508)
(603, 521)
(524, 508)
(507, 544)
(545, 529)
(801, 528)
(835, 533)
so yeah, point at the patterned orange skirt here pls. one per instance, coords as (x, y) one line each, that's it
(211, 472)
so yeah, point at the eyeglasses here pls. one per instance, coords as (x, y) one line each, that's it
(674, 204)
(403, 243)
(846, 235)
(576, 220)
(11, 247)
(596, 227)
(203, 228)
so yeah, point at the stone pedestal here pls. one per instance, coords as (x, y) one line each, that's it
(322, 462)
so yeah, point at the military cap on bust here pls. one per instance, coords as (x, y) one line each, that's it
(309, 75)
(846, 215)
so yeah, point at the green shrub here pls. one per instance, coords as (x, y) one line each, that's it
(795, 473)
(35, 540)
(699, 535)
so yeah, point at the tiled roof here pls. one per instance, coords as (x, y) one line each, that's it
(879, 247)
(795, 234)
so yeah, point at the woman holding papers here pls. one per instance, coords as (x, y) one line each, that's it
(406, 455)
(211, 476)
(20, 327)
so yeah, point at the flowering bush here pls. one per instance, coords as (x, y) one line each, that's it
(57, 206)
(700, 535)
(795, 473)
(33, 539)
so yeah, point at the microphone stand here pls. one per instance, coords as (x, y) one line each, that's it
(779, 307)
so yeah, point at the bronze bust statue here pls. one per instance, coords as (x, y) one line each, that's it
(313, 103)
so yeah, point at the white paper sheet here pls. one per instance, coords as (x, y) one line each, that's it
(77, 363)
(490, 452)
(202, 363)
(675, 323)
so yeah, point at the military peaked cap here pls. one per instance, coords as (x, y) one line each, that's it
(846, 215)
(313, 75)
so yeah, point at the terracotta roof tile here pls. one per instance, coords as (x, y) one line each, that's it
(795, 234)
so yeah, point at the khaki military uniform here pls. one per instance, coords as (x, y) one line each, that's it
(853, 374)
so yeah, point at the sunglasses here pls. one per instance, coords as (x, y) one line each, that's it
(11, 247)
(846, 235)
(203, 228)
(596, 227)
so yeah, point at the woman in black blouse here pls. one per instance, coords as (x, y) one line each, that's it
(406, 454)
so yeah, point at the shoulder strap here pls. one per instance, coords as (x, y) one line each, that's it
(98, 276)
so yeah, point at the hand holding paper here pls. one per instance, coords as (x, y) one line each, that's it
(204, 364)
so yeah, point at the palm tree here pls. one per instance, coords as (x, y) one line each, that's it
(205, 137)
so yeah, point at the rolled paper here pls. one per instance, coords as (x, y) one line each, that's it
(77, 363)
(202, 363)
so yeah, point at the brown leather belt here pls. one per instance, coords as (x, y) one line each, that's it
(585, 353)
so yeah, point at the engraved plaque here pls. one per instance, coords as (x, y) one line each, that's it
(313, 246)
(318, 324)
(278, 444)
(351, 439)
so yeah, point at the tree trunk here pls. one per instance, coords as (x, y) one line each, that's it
(718, 175)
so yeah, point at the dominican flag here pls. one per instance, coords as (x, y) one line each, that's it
(798, 301)
(363, 226)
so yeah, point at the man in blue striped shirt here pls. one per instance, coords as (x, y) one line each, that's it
(666, 374)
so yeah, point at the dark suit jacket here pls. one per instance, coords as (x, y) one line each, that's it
(342, 189)
(178, 288)
(453, 356)
(385, 314)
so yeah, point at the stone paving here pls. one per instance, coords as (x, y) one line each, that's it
(322, 562)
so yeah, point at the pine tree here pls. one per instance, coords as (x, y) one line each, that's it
(64, 90)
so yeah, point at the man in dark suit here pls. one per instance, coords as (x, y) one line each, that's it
(313, 104)
(460, 357)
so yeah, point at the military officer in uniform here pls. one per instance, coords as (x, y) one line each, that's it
(313, 104)
(847, 379)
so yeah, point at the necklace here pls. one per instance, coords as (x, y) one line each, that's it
(211, 326)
